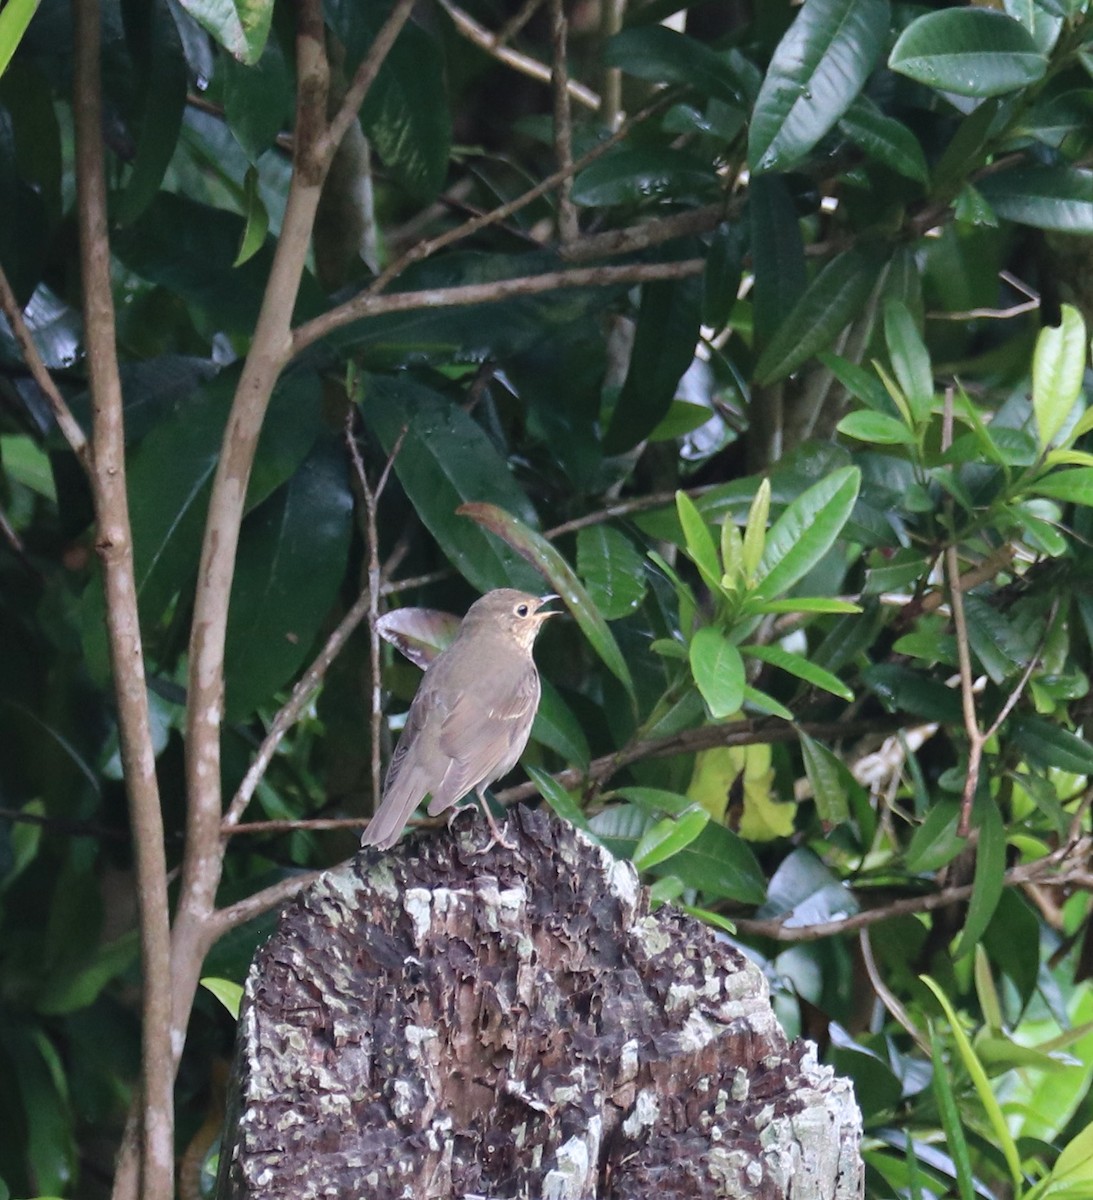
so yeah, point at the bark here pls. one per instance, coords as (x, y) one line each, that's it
(443, 1021)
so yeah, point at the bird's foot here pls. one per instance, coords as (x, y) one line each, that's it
(497, 836)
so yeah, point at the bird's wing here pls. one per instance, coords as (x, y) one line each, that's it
(406, 782)
(484, 734)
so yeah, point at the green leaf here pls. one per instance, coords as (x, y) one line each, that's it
(982, 1084)
(1045, 744)
(955, 1139)
(876, 427)
(718, 863)
(612, 568)
(990, 876)
(970, 51)
(1075, 486)
(935, 841)
(68, 991)
(240, 26)
(900, 689)
(759, 701)
(161, 79)
(777, 254)
(755, 533)
(833, 298)
(1056, 198)
(699, 541)
(817, 70)
(664, 347)
(446, 459)
(229, 993)
(542, 555)
(255, 100)
(290, 564)
(803, 668)
(885, 139)
(910, 359)
(662, 55)
(718, 671)
(1058, 366)
(406, 112)
(668, 837)
(254, 234)
(561, 801)
(805, 532)
(655, 801)
(724, 267)
(825, 775)
(555, 726)
(637, 176)
(14, 19)
(804, 604)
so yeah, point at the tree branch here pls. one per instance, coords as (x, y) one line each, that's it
(115, 547)
(62, 414)
(568, 228)
(368, 304)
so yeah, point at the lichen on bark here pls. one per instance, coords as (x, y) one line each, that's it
(442, 1022)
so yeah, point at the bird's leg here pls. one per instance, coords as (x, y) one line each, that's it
(497, 838)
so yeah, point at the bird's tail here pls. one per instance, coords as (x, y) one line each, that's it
(402, 797)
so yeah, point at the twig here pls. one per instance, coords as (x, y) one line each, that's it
(62, 414)
(611, 16)
(1042, 870)
(885, 994)
(367, 304)
(155, 1162)
(525, 64)
(649, 233)
(994, 314)
(624, 508)
(516, 22)
(287, 825)
(568, 228)
(226, 919)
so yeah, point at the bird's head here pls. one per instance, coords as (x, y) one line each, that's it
(519, 615)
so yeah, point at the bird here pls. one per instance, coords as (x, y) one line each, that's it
(471, 716)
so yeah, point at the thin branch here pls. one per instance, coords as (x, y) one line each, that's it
(568, 228)
(993, 314)
(62, 414)
(885, 994)
(649, 233)
(611, 16)
(114, 544)
(736, 733)
(226, 919)
(516, 22)
(288, 825)
(369, 305)
(1043, 870)
(365, 75)
(525, 64)
(624, 508)
(290, 711)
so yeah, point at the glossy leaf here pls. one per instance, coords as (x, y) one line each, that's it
(556, 727)
(876, 427)
(14, 20)
(289, 567)
(240, 26)
(664, 347)
(635, 176)
(970, 51)
(777, 254)
(561, 801)
(989, 880)
(1075, 486)
(698, 540)
(825, 776)
(755, 533)
(910, 360)
(662, 55)
(445, 459)
(885, 139)
(254, 100)
(227, 991)
(803, 668)
(817, 70)
(254, 234)
(935, 841)
(805, 532)
(1056, 198)
(956, 1140)
(830, 302)
(720, 864)
(553, 567)
(724, 267)
(718, 671)
(612, 568)
(1058, 367)
(667, 838)
(1048, 745)
(805, 891)
(406, 113)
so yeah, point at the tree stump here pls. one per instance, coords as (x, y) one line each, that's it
(438, 1021)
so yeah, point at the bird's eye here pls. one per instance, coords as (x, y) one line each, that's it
(521, 610)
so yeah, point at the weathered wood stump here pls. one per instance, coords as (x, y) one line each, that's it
(437, 1022)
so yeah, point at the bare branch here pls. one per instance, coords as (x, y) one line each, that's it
(648, 233)
(226, 919)
(568, 228)
(62, 414)
(369, 305)
(516, 22)
(114, 544)
(484, 40)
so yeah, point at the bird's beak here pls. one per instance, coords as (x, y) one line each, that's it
(550, 612)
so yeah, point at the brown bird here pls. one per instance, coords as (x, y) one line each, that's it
(470, 719)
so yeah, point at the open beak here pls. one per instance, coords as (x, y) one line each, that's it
(550, 612)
